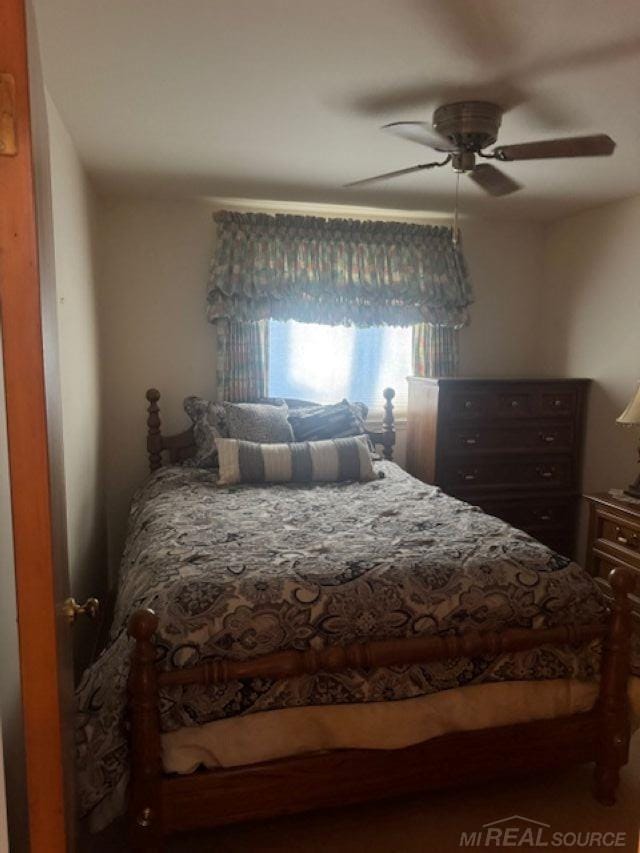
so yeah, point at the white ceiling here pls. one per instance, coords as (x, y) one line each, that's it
(282, 99)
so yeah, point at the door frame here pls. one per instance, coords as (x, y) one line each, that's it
(34, 532)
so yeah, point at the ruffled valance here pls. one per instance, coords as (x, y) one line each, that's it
(336, 271)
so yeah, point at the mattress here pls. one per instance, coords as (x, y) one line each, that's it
(270, 735)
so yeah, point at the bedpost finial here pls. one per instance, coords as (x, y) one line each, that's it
(143, 624)
(388, 421)
(622, 581)
(154, 435)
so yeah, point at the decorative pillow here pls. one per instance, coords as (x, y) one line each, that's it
(292, 402)
(209, 424)
(336, 420)
(270, 401)
(258, 422)
(298, 462)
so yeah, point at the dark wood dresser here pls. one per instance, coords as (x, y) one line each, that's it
(614, 540)
(512, 447)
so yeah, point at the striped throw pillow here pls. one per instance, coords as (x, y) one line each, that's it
(299, 462)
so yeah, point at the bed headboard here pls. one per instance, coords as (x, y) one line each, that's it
(176, 448)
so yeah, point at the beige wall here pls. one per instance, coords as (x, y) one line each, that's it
(154, 258)
(589, 327)
(73, 205)
(505, 263)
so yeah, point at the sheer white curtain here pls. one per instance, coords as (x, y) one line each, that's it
(327, 363)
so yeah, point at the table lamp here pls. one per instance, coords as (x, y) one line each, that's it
(631, 416)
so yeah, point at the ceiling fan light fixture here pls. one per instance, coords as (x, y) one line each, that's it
(470, 125)
(463, 161)
(464, 129)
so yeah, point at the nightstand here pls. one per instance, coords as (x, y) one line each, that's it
(614, 540)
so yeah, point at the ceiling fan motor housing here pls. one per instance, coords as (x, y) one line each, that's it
(469, 125)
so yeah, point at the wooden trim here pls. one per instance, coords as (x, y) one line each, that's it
(155, 444)
(613, 504)
(344, 777)
(494, 380)
(145, 808)
(291, 664)
(388, 428)
(8, 143)
(613, 703)
(29, 460)
(182, 446)
(164, 804)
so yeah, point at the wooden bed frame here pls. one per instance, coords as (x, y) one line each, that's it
(162, 804)
(182, 446)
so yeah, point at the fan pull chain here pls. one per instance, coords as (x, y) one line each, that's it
(456, 231)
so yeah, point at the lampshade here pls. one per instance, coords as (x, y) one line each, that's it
(631, 414)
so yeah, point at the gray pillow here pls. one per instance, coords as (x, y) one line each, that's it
(335, 420)
(258, 422)
(209, 424)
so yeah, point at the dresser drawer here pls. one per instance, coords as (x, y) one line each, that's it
(617, 535)
(506, 473)
(561, 543)
(513, 403)
(516, 437)
(509, 403)
(557, 404)
(621, 534)
(601, 565)
(467, 405)
(535, 515)
(488, 403)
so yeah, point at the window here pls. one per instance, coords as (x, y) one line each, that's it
(327, 363)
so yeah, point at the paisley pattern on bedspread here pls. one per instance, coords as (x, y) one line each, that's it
(247, 570)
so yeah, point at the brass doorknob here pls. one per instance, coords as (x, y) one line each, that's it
(71, 609)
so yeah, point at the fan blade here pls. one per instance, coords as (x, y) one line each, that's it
(397, 173)
(576, 146)
(421, 132)
(493, 181)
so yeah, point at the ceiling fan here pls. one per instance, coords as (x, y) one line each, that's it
(464, 129)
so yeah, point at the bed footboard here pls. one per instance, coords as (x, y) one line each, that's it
(613, 704)
(609, 720)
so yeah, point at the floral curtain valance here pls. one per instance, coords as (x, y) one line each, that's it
(336, 271)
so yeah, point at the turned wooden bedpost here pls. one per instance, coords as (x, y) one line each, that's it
(388, 424)
(154, 435)
(145, 818)
(613, 702)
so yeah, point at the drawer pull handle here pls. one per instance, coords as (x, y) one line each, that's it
(515, 404)
(546, 516)
(470, 441)
(468, 404)
(624, 540)
(548, 438)
(557, 403)
(469, 478)
(546, 473)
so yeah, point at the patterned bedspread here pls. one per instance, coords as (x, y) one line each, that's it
(246, 570)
